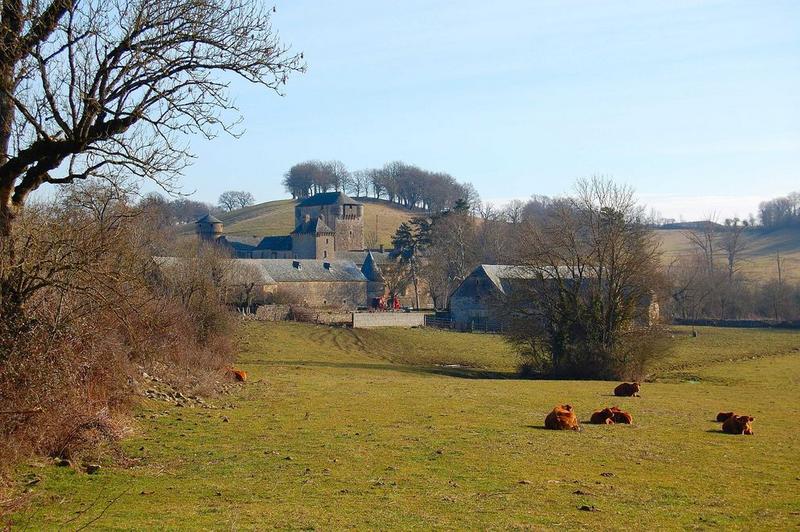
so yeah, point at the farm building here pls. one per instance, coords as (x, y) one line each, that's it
(474, 304)
(311, 283)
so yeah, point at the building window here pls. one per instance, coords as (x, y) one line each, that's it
(351, 234)
(326, 240)
(325, 254)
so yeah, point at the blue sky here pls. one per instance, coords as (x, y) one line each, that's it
(696, 104)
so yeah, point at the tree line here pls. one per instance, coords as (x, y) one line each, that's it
(780, 212)
(398, 182)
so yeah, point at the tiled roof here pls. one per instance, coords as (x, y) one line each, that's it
(328, 198)
(286, 270)
(360, 257)
(209, 219)
(275, 243)
(314, 226)
(370, 269)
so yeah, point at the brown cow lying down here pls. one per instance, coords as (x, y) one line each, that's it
(562, 418)
(621, 416)
(609, 416)
(738, 425)
(722, 416)
(627, 389)
(602, 417)
(239, 375)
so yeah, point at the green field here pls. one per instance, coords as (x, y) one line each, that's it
(425, 429)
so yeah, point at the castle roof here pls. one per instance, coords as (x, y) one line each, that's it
(275, 243)
(370, 269)
(313, 226)
(328, 198)
(294, 270)
(209, 219)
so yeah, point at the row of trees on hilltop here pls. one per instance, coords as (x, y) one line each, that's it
(780, 212)
(401, 183)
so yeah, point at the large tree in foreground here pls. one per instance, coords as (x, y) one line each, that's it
(586, 275)
(113, 89)
(97, 87)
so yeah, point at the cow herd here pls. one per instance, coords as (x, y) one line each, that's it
(563, 417)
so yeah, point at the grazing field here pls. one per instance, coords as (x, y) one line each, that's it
(418, 428)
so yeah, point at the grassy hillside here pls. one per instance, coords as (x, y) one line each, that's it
(277, 218)
(759, 255)
(377, 429)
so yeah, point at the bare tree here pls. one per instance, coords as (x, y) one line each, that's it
(103, 88)
(587, 275)
(734, 243)
(98, 88)
(704, 238)
(235, 199)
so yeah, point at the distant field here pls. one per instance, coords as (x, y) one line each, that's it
(759, 260)
(388, 428)
(277, 218)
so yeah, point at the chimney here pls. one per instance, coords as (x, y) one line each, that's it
(307, 218)
(326, 265)
(296, 264)
(381, 248)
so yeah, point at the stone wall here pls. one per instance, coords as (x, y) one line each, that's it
(345, 294)
(365, 320)
(349, 233)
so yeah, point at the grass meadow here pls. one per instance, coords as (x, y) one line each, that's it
(390, 428)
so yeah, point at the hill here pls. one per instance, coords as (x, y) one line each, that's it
(422, 429)
(381, 218)
(759, 255)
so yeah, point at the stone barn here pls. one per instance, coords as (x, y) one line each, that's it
(474, 304)
(316, 283)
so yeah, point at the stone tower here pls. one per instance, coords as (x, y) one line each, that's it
(341, 213)
(209, 228)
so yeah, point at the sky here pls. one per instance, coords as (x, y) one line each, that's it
(695, 104)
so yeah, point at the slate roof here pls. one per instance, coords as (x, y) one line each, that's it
(360, 257)
(503, 276)
(283, 270)
(274, 271)
(314, 226)
(328, 198)
(370, 269)
(276, 243)
(256, 267)
(241, 243)
(209, 219)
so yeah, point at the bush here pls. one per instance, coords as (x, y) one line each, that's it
(86, 314)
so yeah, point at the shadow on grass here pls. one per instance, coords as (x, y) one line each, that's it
(459, 372)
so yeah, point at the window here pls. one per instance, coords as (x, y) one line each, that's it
(326, 240)
(325, 254)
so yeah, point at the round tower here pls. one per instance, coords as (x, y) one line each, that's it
(209, 227)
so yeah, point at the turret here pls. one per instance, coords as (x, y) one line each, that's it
(209, 227)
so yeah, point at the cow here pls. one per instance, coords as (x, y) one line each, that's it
(562, 418)
(722, 416)
(627, 389)
(621, 416)
(602, 417)
(238, 374)
(738, 425)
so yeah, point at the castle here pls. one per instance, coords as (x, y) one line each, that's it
(326, 226)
